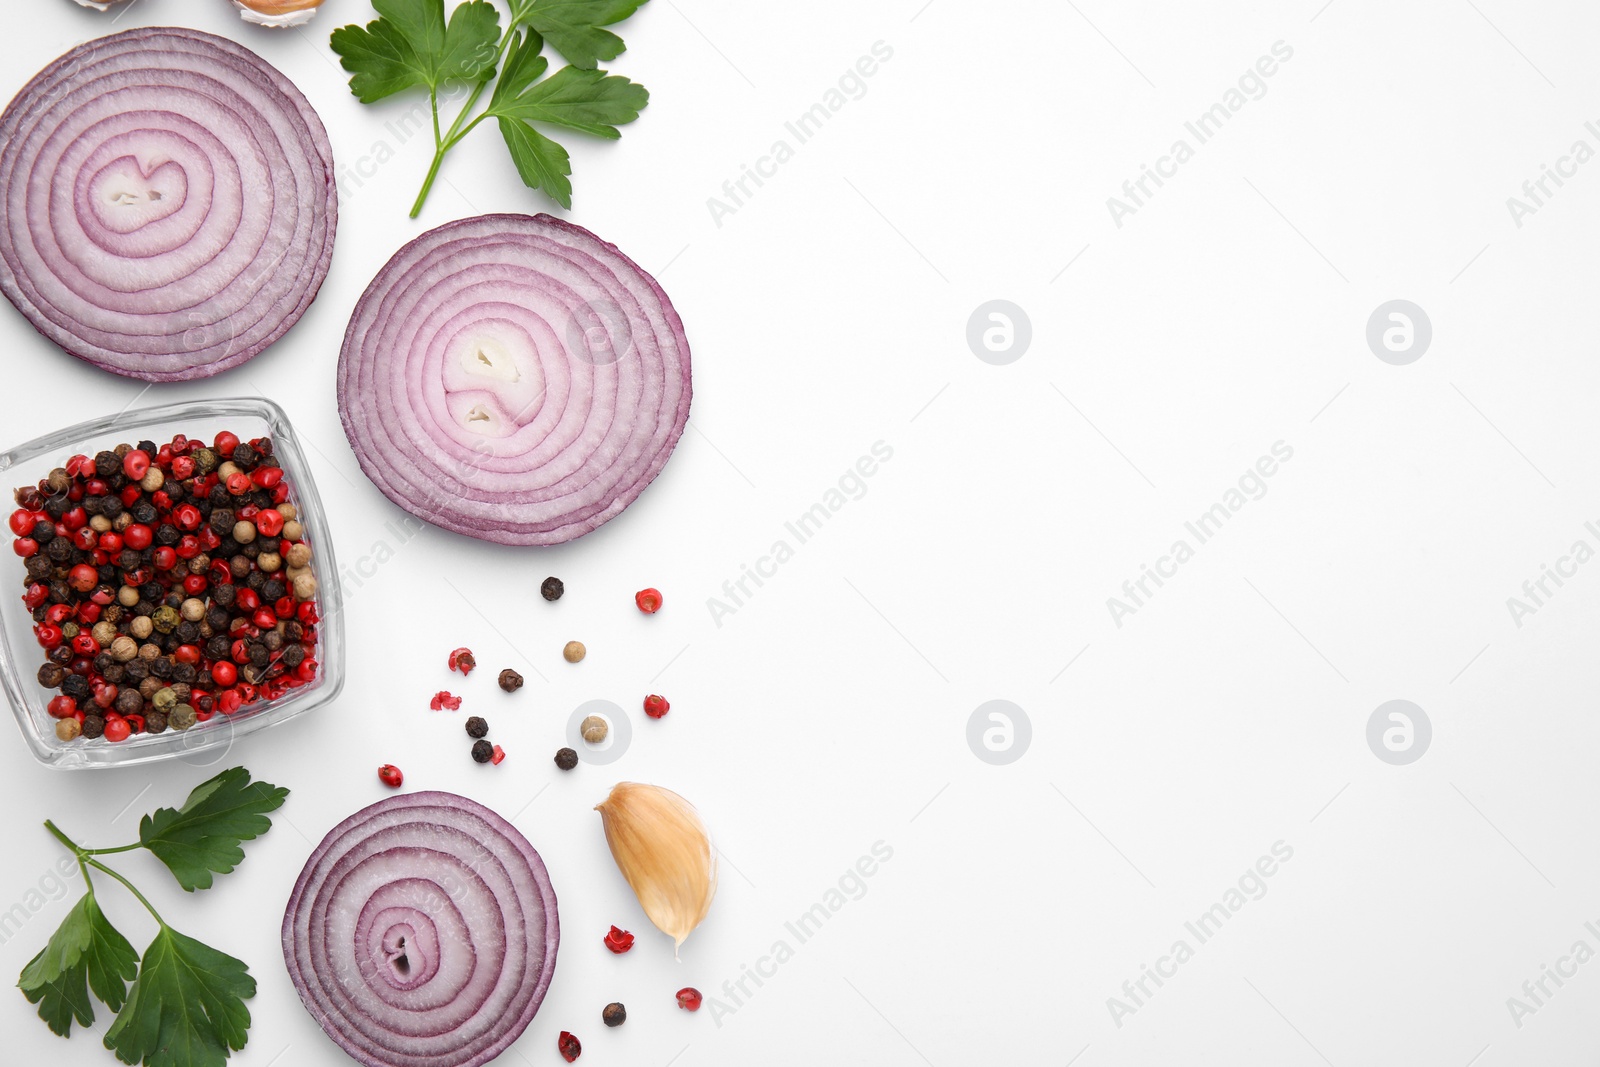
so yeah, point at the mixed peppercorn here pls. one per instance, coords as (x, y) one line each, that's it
(167, 583)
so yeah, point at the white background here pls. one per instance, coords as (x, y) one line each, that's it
(829, 712)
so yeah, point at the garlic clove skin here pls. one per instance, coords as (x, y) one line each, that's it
(662, 848)
(99, 5)
(276, 13)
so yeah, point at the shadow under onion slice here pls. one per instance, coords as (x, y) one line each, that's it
(422, 933)
(513, 378)
(167, 203)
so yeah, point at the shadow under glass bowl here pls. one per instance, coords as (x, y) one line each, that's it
(21, 656)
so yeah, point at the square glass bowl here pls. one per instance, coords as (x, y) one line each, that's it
(21, 656)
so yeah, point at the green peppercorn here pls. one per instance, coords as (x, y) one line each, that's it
(510, 680)
(614, 1014)
(552, 589)
(482, 751)
(165, 700)
(477, 726)
(182, 717)
(165, 619)
(205, 460)
(566, 758)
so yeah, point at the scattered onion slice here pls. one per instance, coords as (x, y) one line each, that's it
(422, 933)
(514, 378)
(167, 203)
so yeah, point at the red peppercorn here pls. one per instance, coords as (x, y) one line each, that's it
(22, 522)
(85, 645)
(443, 701)
(182, 467)
(110, 543)
(689, 998)
(135, 723)
(136, 464)
(390, 776)
(161, 500)
(225, 443)
(656, 705)
(96, 487)
(269, 523)
(187, 654)
(89, 613)
(247, 600)
(284, 608)
(72, 465)
(280, 492)
(105, 696)
(61, 707)
(138, 537)
(49, 636)
(267, 477)
(186, 517)
(238, 483)
(36, 595)
(498, 755)
(58, 613)
(195, 584)
(131, 495)
(224, 673)
(75, 519)
(25, 547)
(307, 613)
(462, 660)
(248, 512)
(229, 700)
(117, 728)
(209, 539)
(265, 618)
(165, 558)
(188, 546)
(83, 578)
(568, 1046)
(85, 539)
(618, 940)
(649, 600)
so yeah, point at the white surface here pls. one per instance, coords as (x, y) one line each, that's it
(829, 712)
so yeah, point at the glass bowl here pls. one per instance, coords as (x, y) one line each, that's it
(20, 655)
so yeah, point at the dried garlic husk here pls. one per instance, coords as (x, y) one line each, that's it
(662, 849)
(277, 12)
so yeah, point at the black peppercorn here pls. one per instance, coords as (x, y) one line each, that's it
(155, 722)
(59, 550)
(552, 589)
(167, 534)
(106, 464)
(93, 726)
(218, 647)
(129, 702)
(222, 521)
(614, 1014)
(144, 512)
(223, 595)
(102, 660)
(293, 656)
(58, 505)
(482, 751)
(566, 758)
(76, 686)
(51, 675)
(217, 619)
(510, 680)
(111, 507)
(114, 674)
(161, 667)
(43, 531)
(293, 630)
(477, 726)
(137, 671)
(259, 655)
(244, 456)
(39, 567)
(149, 448)
(273, 590)
(183, 673)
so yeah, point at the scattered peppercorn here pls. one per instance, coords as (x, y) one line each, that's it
(566, 758)
(497, 755)
(614, 1014)
(568, 1046)
(574, 651)
(482, 751)
(444, 701)
(477, 726)
(594, 729)
(618, 940)
(552, 589)
(390, 776)
(648, 600)
(656, 705)
(462, 660)
(689, 998)
(510, 680)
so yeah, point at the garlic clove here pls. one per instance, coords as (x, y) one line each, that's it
(278, 13)
(662, 848)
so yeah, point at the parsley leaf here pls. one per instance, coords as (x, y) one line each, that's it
(86, 952)
(204, 835)
(591, 101)
(411, 44)
(573, 27)
(524, 66)
(186, 1008)
(542, 163)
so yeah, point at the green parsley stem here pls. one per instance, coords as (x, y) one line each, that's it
(443, 143)
(129, 886)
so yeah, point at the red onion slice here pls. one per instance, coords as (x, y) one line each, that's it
(422, 933)
(168, 203)
(514, 378)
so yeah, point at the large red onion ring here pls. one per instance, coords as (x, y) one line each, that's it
(514, 378)
(168, 203)
(422, 933)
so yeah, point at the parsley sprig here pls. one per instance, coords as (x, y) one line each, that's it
(411, 45)
(186, 1005)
